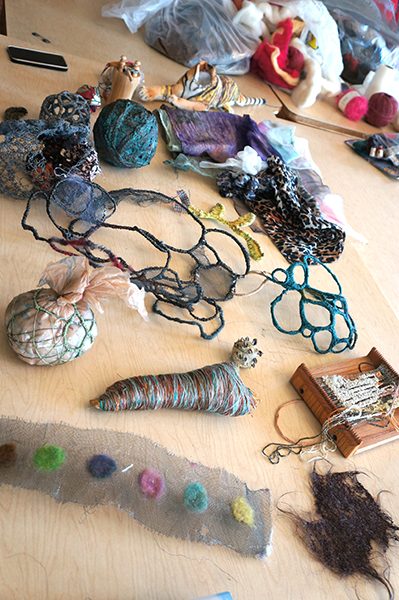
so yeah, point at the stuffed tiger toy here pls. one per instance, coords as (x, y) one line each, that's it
(200, 88)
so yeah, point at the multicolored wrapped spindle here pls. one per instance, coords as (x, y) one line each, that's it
(216, 388)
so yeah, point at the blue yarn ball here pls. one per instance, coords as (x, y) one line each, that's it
(126, 134)
(101, 466)
(195, 497)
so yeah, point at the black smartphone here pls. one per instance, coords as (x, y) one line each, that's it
(47, 60)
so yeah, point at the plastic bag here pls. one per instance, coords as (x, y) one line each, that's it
(377, 14)
(192, 30)
(363, 47)
(134, 12)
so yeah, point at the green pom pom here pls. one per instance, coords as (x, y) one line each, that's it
(195, 497)
(49, 458)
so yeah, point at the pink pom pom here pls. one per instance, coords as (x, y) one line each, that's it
(352, 104)
(152, 483)
(382, 109)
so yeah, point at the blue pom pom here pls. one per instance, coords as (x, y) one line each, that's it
(101, 466)
(195, 497)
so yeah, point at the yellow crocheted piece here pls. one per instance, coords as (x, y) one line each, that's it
(217, 213)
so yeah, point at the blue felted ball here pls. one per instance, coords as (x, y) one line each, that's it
(126, 134)
(101, 466)
(195, 497)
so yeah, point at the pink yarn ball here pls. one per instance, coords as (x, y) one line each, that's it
(352, 104)
(382, 109)
(152, 483)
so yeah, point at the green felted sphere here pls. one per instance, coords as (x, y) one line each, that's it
(195, 497)
(126, 134)
(49, 458)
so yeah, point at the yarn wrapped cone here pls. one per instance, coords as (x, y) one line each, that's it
(44, 332)
(382, 109)
(126, 134)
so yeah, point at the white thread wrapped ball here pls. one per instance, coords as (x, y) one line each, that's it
(43, 329)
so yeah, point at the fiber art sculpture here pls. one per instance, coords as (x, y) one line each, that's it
(53, 162)
(215, 388)
(167, 494)
(51, 326)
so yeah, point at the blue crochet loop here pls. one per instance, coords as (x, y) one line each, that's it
(335, 304)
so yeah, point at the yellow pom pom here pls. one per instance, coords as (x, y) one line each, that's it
(242, 511)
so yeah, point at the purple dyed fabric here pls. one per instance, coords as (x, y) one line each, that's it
(219, 135)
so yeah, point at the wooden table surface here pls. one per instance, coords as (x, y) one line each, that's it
(63, 552)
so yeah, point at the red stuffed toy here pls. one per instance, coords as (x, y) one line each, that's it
(276, 61)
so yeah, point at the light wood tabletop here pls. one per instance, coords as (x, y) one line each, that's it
(65, 552)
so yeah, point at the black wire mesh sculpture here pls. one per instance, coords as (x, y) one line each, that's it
(87, 207)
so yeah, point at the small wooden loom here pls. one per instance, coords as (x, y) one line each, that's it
(349, 439)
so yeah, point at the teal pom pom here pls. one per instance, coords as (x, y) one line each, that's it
(195, 497)
(126, 134)
(49, 458)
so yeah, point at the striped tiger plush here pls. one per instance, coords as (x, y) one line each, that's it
(200, 88)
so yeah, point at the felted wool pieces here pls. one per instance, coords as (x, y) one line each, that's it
(276, 61)
(168, 494)
(215, 134)
(288, 213)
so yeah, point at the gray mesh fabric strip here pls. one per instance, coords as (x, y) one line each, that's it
(73, 483)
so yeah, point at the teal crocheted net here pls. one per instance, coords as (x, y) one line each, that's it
(335, 304)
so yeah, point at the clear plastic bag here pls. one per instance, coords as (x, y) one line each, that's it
(377, 14)
(368, 34)
(134, 12)
(192, 30)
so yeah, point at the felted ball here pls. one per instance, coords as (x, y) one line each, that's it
(101, 466)
(44, 331)
(242, 511)
(382, 109)
(49, 458)
(8, 454)
(352, 104)
(195, 497)
(126, 134)
(152, 483)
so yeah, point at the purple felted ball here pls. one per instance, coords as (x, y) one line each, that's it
(101, 466)
(382, 109)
